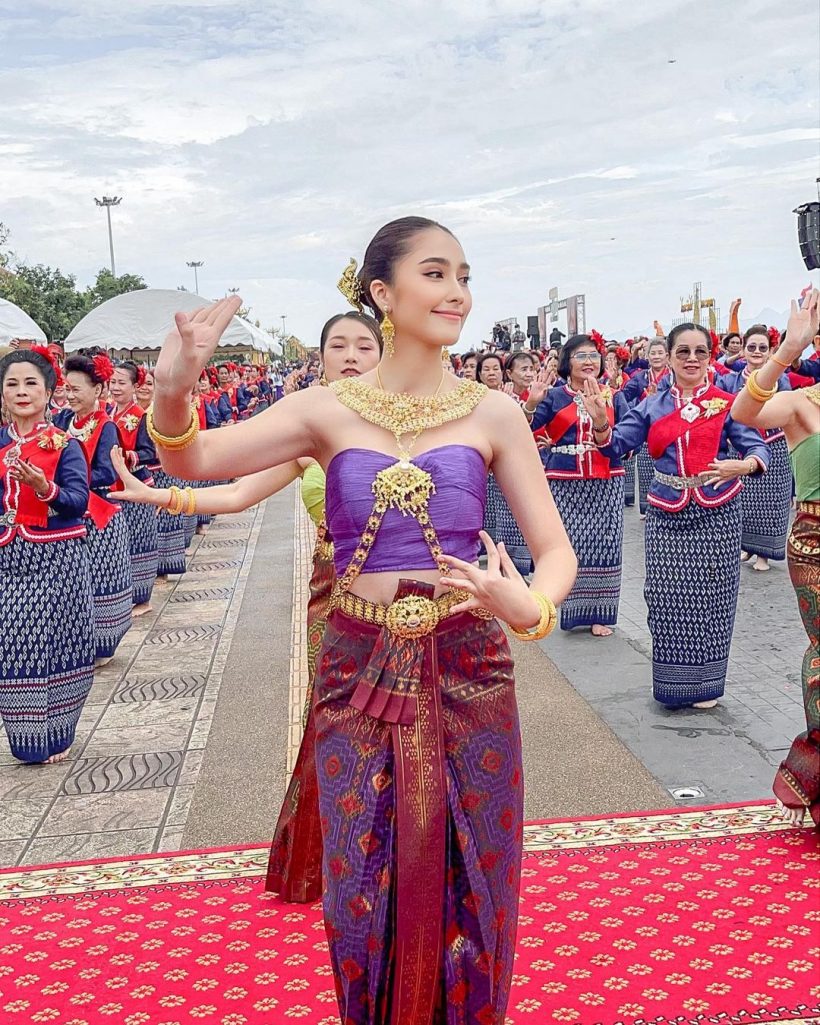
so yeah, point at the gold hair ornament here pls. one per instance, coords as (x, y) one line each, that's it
(350, 286)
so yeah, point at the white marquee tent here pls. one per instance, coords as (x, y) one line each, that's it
(15, 323)
(139, 321)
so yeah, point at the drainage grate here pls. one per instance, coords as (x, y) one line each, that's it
(690, 792)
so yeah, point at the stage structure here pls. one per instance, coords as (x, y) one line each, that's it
(695, 304)
(575, 307)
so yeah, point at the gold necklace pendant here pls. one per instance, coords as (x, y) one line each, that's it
(404, 486)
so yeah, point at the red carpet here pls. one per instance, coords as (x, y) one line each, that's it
(700, 916)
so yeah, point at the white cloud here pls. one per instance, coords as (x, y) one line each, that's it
(272, 139)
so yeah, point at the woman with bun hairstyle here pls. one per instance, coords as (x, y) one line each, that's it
(108, 543)
(46, 615)
(418, 753)
(140, 455)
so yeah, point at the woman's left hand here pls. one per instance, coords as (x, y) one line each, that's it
(499, 588)
(723, 470)
(32, 476)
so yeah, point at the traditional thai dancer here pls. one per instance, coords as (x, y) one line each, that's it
(762, 405)
(140, 520)
(767, 497)
(587, 486)
(47, 636)
(108, 540)
(350, 345)
(417, 741)
(639, 386)
(694, 521)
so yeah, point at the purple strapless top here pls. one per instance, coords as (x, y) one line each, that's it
(456, 509)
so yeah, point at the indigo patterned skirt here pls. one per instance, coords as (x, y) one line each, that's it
(141, 523)
(170, 531)
(645, 466)
(295, 862)
(767, 503)
(46, 644)
(508, 532)
(203, 519)
(629, 481)
(422, 819)
(692, 580)
(592, 512)
(189, 525)
(112, 586)
(797, 783)
(494, 499)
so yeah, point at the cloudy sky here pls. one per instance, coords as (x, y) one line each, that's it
(620, 150)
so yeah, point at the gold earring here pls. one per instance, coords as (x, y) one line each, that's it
(388, 333)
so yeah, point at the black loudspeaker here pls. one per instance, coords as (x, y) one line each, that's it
(808, 234)
(532, 327)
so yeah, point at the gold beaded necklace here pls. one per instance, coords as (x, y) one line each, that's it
(813, 394)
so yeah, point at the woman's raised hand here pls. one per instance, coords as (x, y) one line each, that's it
(133, 490)
(544, 380)
(802, 326)
(594, 401)
(499, 588)
(190, 344)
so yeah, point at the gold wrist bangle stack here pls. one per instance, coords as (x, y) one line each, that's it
(178, 442)
(544, 626)
(181, 502)
(756, 391)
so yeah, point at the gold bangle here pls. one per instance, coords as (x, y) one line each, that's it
(178, 442)
(780, 363)
(758, 393)
(190, 501)
(544, 626)
(174, 506)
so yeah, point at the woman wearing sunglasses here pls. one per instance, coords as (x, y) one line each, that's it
(693, 525)
(767, 497)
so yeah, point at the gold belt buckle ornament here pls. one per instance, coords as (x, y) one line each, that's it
(412, 616)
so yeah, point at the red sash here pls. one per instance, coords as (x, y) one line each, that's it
(200, 408)
(31, 511)
(655, 381)
(128, 435)
(704, 432)
(100, 511)
(561, 422)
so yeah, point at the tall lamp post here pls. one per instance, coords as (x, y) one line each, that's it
(196, 264)
(108, 202)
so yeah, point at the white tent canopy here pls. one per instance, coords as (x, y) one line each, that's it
(142, 319)
(15, 323)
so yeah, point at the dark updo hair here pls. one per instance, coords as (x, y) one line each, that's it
(570, 346)
(729, 336)
(364, 319)
(482, 359)
(130, 368)
(78, 363)
(677, 331)
(756, 329)
(46, 369)
(508, 363)
(389, 245)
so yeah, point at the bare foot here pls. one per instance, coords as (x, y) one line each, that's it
(597, 630)
(142, 609)
(745, 556)
(61, 757)
(202, 529)
(704, 704)
(100, 662)
(794, 816)
(642, 516)
(761, 565)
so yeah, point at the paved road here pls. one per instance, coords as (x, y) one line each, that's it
(732, 752)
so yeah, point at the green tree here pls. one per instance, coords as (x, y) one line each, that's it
(47, 295)
(107, 286)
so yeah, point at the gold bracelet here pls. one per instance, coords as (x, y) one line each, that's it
(180, 441)
(780, 363)
(544, 626)
(758, 393)
(175, 502)
(190, 501)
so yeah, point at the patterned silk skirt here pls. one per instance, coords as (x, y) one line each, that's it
(422, 812)
(46, 644)
(592, 512)
(629, 481)
(767, 503)
(645, 465)
(797, 783)
(295, 863)
(141, 523)
(111, 584)
(170, 531)
(692, 580)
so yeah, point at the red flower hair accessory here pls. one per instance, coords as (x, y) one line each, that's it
(45, 352)
(141, 375)
(715, 344)
(598, 341)
(774, 338)
(103, 367)
(622, 353)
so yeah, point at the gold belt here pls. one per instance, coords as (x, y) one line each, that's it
(812, 508)
(414, 615)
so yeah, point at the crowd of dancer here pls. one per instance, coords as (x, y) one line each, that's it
(404, 812)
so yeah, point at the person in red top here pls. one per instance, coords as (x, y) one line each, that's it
(108, 541)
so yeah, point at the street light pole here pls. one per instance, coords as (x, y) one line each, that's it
(284, 333)
(108, 202)
(196, 264)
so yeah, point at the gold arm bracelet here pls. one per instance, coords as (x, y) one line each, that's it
(190, 501)
(758, 393)
(544, 626)
(172, 444)
(779, 362)
(175, 502)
